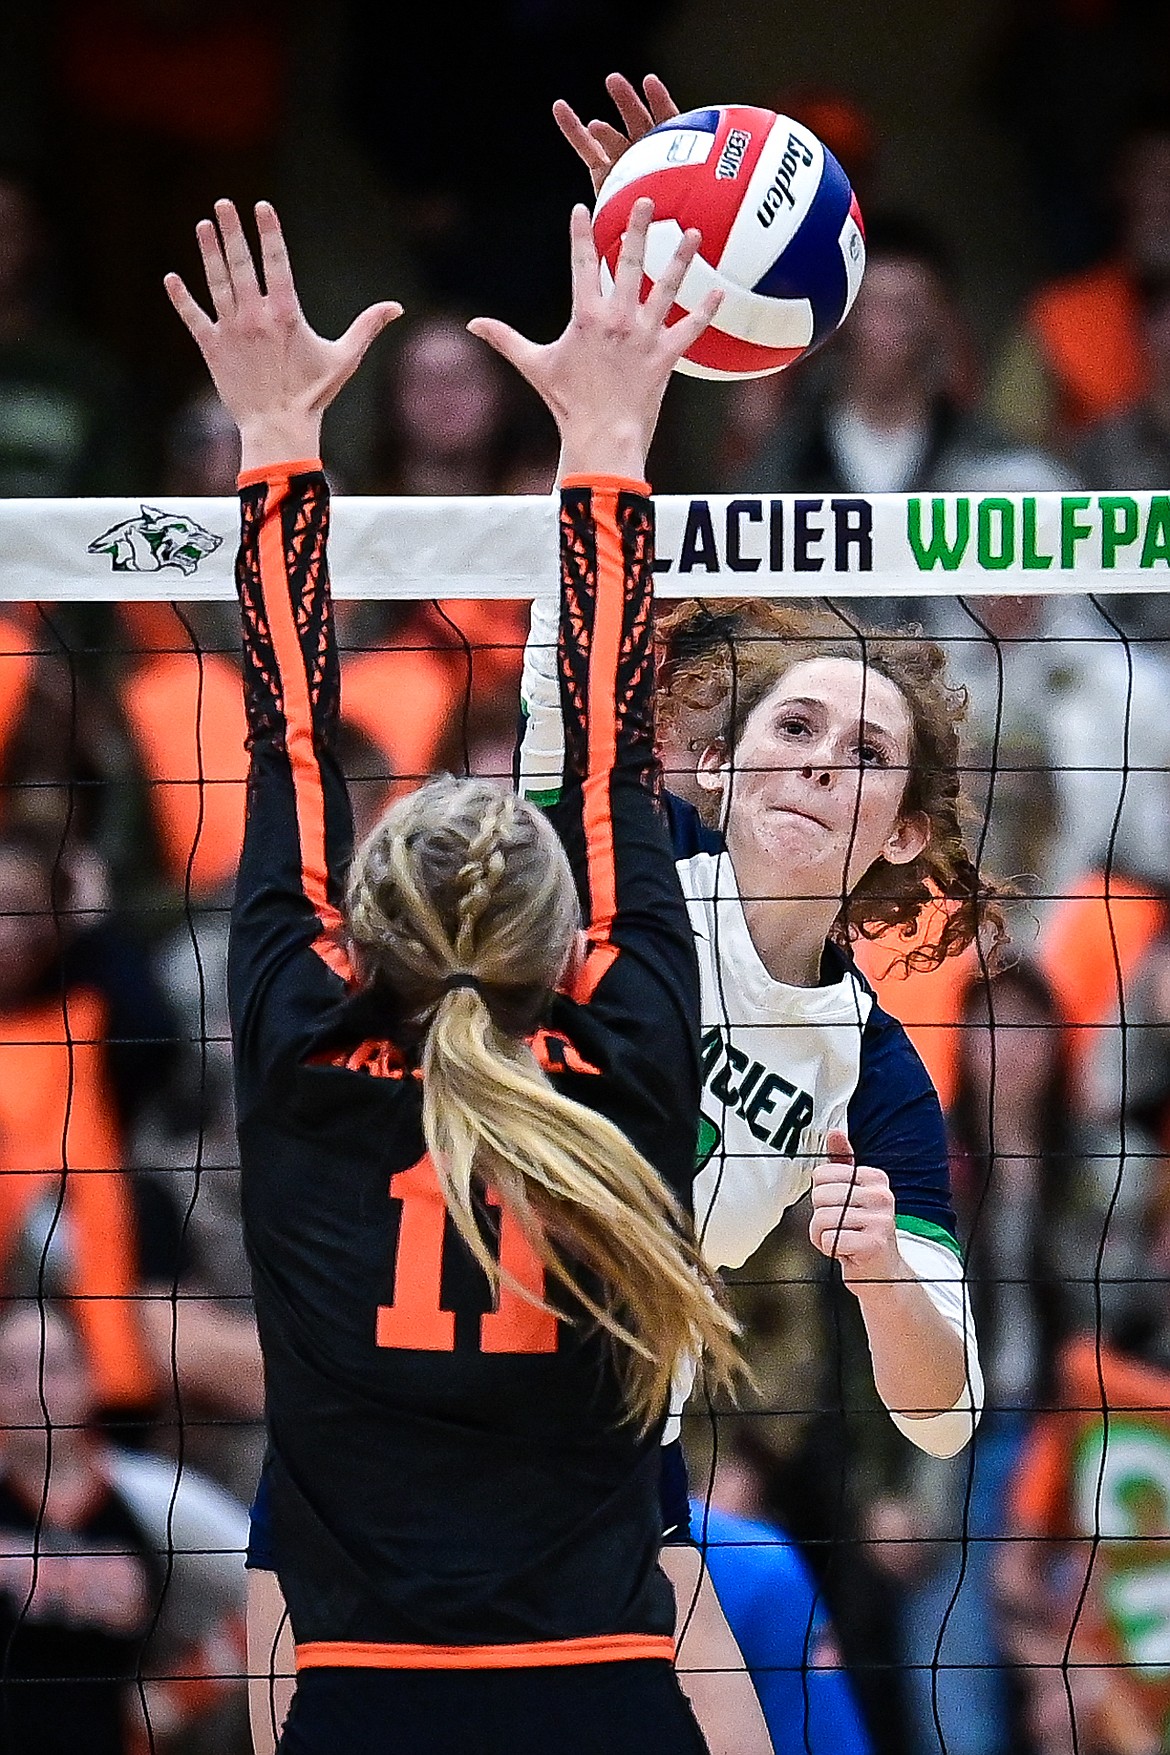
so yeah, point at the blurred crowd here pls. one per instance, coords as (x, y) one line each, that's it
(1016, 1598)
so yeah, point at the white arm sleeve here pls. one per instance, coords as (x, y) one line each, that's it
(542, 746)
(940, 1273)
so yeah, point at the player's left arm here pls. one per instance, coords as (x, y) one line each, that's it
(709, 1664)
(882, 1208)
(276, 377)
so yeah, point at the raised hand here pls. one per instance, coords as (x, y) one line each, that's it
(853, 1217)
(605, 377)
(275, 375)
(599, 145)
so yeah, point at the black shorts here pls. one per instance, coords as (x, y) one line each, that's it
(634, 1707)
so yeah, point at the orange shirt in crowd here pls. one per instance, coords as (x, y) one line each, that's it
(926, 1003)
(1091, 945)
(186, 714)
(1099, 1472)
(1086, 327)
(56, 1113)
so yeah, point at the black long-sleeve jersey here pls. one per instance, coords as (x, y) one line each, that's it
(453, 1482)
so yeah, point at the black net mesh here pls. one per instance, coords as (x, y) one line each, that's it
(883, 1597)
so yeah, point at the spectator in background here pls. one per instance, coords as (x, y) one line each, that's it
(1067, 742)
(59, 1113)
(1083, 1580)
(444, 414)
(1012, 1132)
(186, 740)
(1065, 78)
(77, 1579)
(164, 105)
(888, 410)
(179, 696)
(1078, 355)
(66, 425)
(1122, 1239)
(783, 1630)
(450, 422)
(121, 1582)
(1131, 449)
(202, 448)
(487, 234)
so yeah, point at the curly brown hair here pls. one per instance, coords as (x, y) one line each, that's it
(720, 660)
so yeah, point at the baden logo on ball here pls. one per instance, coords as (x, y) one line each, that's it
(783, 237)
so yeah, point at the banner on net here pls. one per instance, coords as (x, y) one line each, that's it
(784, 545)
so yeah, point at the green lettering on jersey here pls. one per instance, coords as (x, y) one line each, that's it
(708, 1141)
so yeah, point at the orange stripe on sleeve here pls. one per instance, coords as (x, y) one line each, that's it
(540, 1654)
(298, 714)
(601, 706)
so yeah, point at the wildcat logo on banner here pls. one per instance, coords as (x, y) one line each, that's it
(155, 540)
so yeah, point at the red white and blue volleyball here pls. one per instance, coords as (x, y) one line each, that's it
(783, 237)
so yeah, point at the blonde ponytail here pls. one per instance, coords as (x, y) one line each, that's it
(463, 879)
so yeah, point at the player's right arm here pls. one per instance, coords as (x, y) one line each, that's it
(276, 377)
(604, 380)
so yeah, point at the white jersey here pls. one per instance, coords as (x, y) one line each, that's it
(783, 1066)
(780, 1065)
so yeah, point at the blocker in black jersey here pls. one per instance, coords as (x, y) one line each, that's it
(453, 1482)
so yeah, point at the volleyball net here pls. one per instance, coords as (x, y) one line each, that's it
(1041, 1552)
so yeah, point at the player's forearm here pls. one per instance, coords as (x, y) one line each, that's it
(281, 436)
(710, 1667)
(917, 1356)
(923, 1367)
(603, 448)
(607, 565)
(283, 581)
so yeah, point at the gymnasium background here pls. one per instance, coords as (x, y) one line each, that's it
(1014, 163)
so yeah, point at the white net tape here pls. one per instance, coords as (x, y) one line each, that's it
(786, 545)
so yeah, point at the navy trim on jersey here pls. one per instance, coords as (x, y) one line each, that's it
(674, 1490)
(895, 1118)
(688, 831)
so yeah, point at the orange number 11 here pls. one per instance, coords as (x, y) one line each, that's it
(416, 1320)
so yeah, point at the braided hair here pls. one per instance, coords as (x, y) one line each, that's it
(462, 905)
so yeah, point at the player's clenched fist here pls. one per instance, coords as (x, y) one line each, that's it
(854, 1217)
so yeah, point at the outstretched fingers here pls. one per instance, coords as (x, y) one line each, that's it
(525, 355)
(583, 261)
(594, 156)
(215, 269)
(366, 328)
(237, 254)
(199, 324)
(665, 289)
(635, 115)
(630, 267)
(684, 334)
(661, 105)
(278, 275)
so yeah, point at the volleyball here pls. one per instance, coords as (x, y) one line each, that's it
(783, 238)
